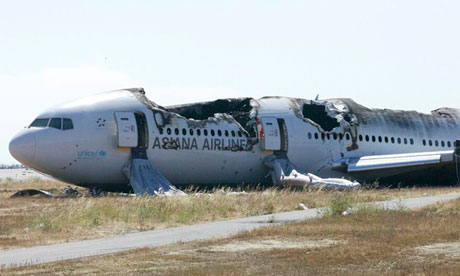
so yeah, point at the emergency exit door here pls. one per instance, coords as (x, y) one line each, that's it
(127, 129)
(272, 134)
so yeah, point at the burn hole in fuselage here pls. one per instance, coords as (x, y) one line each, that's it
(239, 109)
(318, 114)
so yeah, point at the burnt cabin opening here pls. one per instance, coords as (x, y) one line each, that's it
(318, 114)
(239, 109)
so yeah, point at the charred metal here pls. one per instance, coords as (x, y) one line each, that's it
(240, 112)
(229, 110)
(317, 113)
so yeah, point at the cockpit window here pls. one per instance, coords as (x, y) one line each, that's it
(56, 123)
(40, 123)
(67, 124)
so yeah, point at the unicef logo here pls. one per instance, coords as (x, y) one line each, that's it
(91, 155)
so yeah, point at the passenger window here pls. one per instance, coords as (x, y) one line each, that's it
(39, 123)
(56, 123)
(323, 136)
(380, 139)
(309, 136)
(430, 143)
(392, 140)
(68, 124)
(176, 131)
(205, 132)
(443, 144)
(399, 140)
(198, 132)
(405, 141)
(213, 132)
(233, 133)
(335, 136)
(160, 130)
(184, 131)
(316, 136)
(168, 130)
(219, 132)
(436, 143)
(386, 139)
(340, 136)
(226, 133)
(373, 138)
(191, 132)
(367, 138)
(347, 136)
(239, 133)
(411, 141)
(360, 137)
(424, 142)
(449, 144)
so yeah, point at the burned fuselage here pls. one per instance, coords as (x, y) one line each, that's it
(316, 135)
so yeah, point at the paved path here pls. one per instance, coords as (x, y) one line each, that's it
(72, 250)
(21, 174)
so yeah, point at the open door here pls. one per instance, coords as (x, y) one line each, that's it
(127, 129)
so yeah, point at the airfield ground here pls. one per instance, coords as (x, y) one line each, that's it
(370, 241)
(36, 221)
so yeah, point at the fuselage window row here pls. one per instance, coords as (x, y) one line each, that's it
(380, 139)
(204, 132)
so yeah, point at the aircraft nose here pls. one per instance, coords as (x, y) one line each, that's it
(22, 147)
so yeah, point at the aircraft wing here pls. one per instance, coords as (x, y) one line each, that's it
(381, 162)
(394, 164)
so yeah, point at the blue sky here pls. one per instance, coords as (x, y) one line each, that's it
(394, 54)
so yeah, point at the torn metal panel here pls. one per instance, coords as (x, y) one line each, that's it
(235, 114)
(330, 117)
(32, 192)
(318, 114)
(238, 111)
(341, 116)
(451, 114)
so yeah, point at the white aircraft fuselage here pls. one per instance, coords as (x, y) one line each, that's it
(88, 141)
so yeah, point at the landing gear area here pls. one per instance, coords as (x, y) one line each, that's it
(96, 191)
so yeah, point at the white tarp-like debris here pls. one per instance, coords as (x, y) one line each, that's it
(146, 179)
(284, 173)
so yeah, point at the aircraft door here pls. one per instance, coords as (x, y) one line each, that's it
(270, 134)
(127, 129)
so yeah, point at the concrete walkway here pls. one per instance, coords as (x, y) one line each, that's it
(78, 249)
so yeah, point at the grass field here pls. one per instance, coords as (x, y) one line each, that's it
(36, 221)
(370, 241)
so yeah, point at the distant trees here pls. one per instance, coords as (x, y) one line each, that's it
(11, 166)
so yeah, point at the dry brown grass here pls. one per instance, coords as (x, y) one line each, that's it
(368, 242)
(36, 221)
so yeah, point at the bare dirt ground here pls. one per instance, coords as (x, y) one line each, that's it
(370, 241)
(37, 221)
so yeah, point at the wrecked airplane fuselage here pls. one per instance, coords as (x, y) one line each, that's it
(226, 141)
(319, 136)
